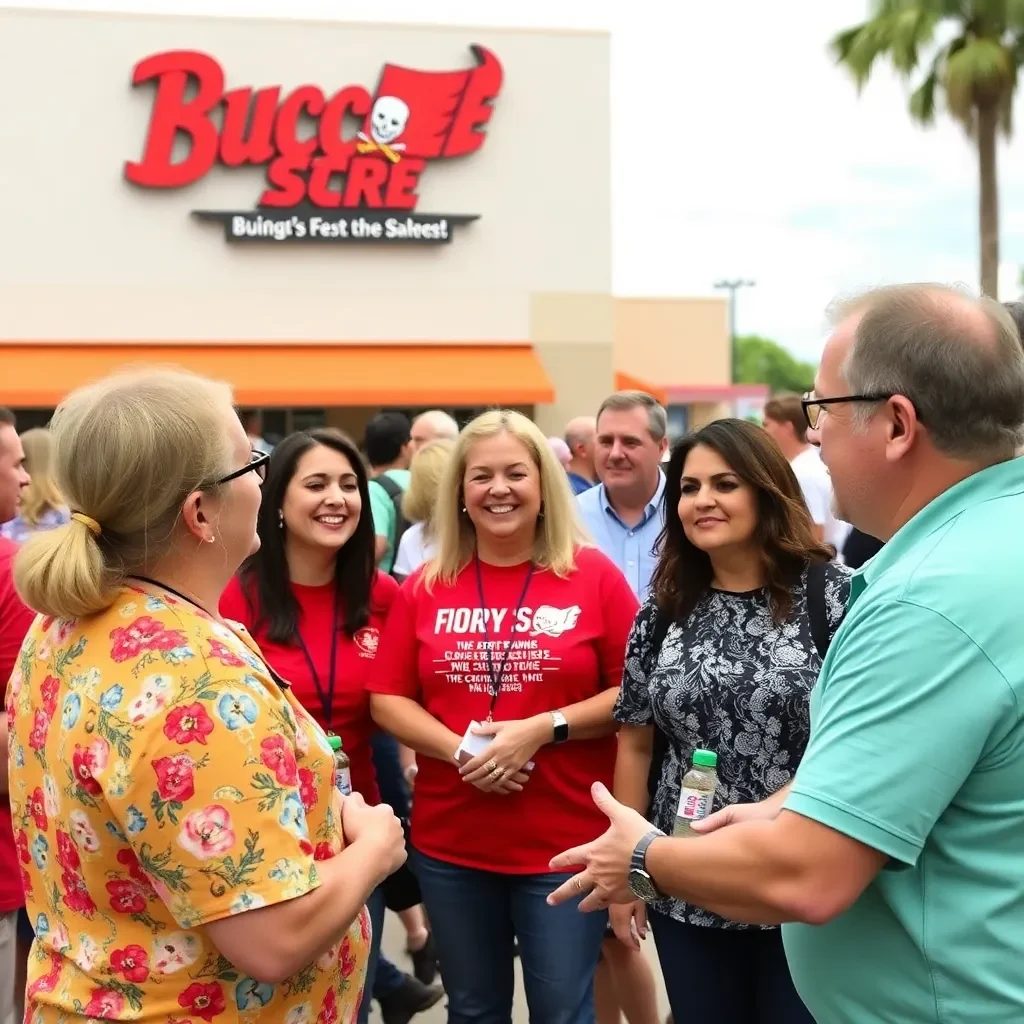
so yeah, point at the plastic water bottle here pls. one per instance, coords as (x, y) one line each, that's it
(342, 770)
(697, 793)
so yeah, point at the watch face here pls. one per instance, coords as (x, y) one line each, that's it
(642, 886)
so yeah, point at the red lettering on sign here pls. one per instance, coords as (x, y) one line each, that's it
(300, 137)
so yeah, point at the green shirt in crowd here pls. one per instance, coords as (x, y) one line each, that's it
(385, 517)
(917, 750)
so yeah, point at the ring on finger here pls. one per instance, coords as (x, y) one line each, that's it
(578, 883)
(492, 766)
(497, 773)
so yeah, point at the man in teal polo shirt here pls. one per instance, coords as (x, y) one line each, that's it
(896, 857)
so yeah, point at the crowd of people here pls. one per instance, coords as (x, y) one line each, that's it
(519, 643)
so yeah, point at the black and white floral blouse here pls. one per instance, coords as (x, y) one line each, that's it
(728, 680)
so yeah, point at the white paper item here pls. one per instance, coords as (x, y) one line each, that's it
(474, 745)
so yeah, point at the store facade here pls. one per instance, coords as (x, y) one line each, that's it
(336, 218)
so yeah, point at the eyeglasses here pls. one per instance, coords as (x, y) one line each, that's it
(257, 465)
(813, 406)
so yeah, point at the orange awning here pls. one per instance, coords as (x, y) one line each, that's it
(626, 382)
(42, 373)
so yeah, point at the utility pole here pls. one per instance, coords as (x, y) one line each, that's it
(733, 287)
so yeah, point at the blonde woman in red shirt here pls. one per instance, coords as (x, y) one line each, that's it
(520, 627)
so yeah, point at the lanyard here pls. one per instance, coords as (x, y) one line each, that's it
(498, 677)
(283, 683)
(326, 696)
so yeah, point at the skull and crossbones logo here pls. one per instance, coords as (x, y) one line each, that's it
(388, 119)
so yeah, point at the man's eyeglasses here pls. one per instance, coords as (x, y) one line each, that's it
(813, 406)
(257, 465)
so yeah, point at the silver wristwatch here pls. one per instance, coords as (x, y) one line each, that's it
(640, 881)
(561, 733)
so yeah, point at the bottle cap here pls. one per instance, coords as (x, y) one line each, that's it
(335, 742)
(705, 758)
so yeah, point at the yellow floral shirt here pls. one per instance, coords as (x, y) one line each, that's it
(160, 780)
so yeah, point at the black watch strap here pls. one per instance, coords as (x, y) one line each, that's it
(638, 861)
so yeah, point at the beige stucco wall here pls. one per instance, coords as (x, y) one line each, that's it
(87, 256)
(673, 342)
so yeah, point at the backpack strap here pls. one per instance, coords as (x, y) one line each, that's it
(816, 610)
(662, 622)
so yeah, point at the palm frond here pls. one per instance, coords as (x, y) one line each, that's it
(922, 99)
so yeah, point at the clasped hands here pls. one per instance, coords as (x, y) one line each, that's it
(501, 768)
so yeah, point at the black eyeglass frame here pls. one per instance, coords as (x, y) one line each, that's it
(806, 403)
(257, 465)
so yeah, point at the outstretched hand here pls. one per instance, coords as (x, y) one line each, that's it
(605, 861)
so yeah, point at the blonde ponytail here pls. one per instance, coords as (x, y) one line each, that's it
(127, 452)
(60, 572)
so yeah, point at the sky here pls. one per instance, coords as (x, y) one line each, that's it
(782, 174)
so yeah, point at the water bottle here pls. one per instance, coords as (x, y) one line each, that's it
(342, 770)
(697, 793)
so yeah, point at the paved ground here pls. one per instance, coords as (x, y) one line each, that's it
(394, 943)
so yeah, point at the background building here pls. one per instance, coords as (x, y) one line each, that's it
(516, 309)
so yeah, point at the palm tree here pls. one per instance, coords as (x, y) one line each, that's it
(975, 73)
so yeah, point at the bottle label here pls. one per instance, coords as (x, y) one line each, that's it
(343, 781)
(694, 804)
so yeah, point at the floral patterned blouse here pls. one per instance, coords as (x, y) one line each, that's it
(161, 780)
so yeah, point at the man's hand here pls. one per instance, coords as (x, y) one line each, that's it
(606, 873)
(764, 810)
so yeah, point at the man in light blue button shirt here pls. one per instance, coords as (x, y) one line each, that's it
(624, 515)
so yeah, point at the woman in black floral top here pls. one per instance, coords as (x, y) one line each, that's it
(734, 675)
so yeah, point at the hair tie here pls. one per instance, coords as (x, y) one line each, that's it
(88, 522)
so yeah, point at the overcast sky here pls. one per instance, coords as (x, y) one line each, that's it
(780, 172)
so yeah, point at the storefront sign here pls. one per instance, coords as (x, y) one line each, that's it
(323, 184)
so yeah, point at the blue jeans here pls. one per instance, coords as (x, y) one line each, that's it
(382, 976)
(392, 785)
(726, 974)
(476, 916)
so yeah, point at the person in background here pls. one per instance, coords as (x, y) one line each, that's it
(314, 600)
(1016, 311)
(907, 806)
(580, 435)
(625, 513)
(388, 449)
(733, 674)
(520, 628)
(253, 423)
(183, 844)
(15, 619)
(42, 506)
(433, 425)
(419, 504)
(560, 450)
(859, 547)
(784, 420)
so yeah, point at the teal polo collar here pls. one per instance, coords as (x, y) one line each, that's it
(998, 481)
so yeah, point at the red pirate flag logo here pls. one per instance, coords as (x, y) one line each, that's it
(431, 114)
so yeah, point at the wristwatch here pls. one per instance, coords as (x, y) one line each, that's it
(561, 727)
(639, 880)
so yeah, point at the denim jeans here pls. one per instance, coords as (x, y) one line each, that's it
(382, 976)
(725, 974)
(476, 916)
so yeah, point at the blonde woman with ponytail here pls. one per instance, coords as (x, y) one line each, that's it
(42, 506)
(184, 852)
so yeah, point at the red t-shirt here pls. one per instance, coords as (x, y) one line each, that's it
(569, 641)
(15, 619)
(350, 708)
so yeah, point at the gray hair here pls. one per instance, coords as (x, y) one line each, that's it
(622, 401)
(956, 357)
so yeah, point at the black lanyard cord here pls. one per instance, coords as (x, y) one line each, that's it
(326, 696)
(497, 678)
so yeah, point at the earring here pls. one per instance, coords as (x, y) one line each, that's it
(280, 519)
(464, 509)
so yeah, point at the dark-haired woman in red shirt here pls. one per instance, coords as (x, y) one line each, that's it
(315, 602)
